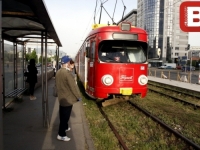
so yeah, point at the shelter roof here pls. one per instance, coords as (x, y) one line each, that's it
(26, 18)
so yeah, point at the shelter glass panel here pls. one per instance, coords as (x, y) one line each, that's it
(8, 68)
(20, 66)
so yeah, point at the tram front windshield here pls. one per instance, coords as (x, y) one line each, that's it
(122, 52)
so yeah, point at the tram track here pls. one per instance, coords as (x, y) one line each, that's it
(121, 142)
(170, 124)
(176, 98)
(175, 89)
(185, 139)
(169, 129)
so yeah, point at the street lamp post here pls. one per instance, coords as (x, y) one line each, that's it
(199, 68)
(191, 65)
(199, 75)
(190, 60)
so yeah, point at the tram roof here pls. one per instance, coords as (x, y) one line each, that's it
(25, 19)
(115, 28)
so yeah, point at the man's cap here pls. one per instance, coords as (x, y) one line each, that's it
(65, 59)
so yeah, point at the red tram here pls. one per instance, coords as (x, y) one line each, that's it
(112, 63)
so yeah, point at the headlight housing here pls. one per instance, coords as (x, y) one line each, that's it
(107, 80)
(142, 80)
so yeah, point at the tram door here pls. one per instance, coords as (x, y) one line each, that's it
(91, 68)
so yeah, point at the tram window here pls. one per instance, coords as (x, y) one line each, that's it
(136, 54)
(87, 49)
(92, 52)
(122, 52)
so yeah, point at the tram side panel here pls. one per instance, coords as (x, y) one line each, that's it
(81, 66)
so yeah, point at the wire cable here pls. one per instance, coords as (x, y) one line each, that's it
(95, 12)
(108, 14)
(88, 26)
(123, 2)
(114, 12)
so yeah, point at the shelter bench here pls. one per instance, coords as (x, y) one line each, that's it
(16, 93)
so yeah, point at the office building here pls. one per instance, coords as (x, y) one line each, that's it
(160, 18)
(131, 17)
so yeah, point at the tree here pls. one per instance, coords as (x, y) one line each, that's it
(48, 59)
(32, 55)
(27, 57)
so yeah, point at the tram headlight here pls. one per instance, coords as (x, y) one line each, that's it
(142, 80)
(107, 80)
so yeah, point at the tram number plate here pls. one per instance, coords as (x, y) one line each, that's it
(126, 91)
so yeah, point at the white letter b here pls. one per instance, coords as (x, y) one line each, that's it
(193, 16)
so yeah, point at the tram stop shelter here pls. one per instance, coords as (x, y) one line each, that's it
(22, 22)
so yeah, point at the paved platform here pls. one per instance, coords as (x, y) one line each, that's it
(194, 87)
(23, 126)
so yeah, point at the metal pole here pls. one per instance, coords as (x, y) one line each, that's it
(3, 75)
(42, 75)
(57, 59)
(190, 66)
(24, 62)
(58, 52)
(100, 13)
(14, 51)
(46, 84)
(1, 86)
(199, 74)
(16, 66)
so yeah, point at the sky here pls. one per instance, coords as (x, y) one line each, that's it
(73, 19)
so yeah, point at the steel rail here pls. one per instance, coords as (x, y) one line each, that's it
(122, 143)
(152, 83)
(166, 126)
(181, 100)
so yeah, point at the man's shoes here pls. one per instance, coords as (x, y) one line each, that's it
(64, 138)
(68, 129)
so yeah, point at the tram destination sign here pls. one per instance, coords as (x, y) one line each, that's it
(122, 36)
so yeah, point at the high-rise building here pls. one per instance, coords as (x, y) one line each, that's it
(131, 17)
(160, 18)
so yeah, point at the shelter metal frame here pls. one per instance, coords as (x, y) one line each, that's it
(21, 18)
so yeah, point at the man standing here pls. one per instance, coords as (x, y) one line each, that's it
(68, 94)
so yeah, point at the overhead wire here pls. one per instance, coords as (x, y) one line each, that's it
(124, 10)
(123, 2)
(112, 18)
(114, 12)
(108, 14)
(95, 12)
(88, 25)
(101, 9)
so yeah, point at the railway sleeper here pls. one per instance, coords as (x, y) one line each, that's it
(115, 100)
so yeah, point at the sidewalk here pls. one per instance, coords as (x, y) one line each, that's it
(23, 127)
(185, 85)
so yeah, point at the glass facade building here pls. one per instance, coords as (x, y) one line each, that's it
(130, 17)
(160, 18)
